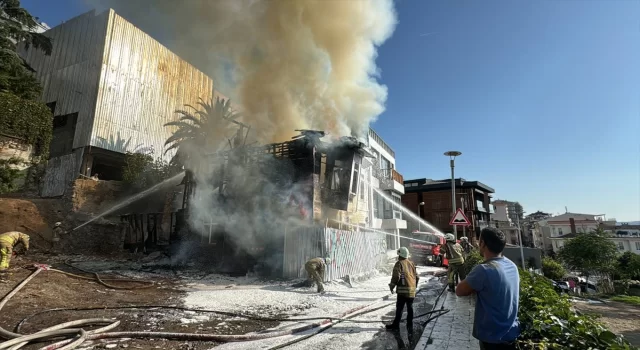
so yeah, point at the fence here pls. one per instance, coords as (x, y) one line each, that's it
(351, 252)
(146, 230)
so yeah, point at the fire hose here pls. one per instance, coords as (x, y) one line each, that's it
(18, 340)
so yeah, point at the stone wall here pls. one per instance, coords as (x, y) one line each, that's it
(11, 147)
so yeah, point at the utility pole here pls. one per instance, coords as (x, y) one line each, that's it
(452, 156)
(520, 238)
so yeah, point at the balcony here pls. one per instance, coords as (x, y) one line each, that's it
(391, 180)
(393, 224)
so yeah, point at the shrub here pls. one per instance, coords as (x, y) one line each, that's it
(552, 269)
(141, 171)
(474, 258)
(547, 321)
(9, 174)
(28, 120)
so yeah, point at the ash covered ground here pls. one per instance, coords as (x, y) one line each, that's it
(193, 287)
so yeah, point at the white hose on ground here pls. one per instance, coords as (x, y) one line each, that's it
(17, 341)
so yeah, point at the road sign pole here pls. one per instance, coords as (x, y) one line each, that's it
(453, 197)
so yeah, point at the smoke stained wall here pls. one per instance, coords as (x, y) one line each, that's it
(289, 64)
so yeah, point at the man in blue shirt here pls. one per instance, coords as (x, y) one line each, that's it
(496, 283)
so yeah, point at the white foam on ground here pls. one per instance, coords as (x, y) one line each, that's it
(271, 299)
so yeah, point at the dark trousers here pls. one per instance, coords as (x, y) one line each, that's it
(489, 346)
(400, 303)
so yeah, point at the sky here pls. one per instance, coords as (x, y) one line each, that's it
(541, 97)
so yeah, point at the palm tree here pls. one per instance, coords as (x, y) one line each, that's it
(204, 130)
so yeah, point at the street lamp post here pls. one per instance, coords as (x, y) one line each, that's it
(520, 239)
(420, 214)
(452, 156)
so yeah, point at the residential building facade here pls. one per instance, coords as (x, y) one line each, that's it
(386, 216)
(568, 225)
(431, 201)
(111, 88)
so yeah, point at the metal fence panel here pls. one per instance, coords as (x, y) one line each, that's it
(351, 252)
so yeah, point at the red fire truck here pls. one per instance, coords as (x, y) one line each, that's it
(427, 248)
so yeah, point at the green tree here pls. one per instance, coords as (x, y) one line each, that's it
(519, 211)
(17, 25)
(628, 266)
(590, 253)
(202, 130)
(142, 171)
(552, 269)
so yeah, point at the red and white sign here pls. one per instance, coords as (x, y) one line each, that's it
(459, 219)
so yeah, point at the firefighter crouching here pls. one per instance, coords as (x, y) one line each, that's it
(456, 260)
(405, 280)
(8, 241)
(315, 270)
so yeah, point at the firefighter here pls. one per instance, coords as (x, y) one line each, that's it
(455, 255)
(57, 233)
(8, 241)
(405, 279)
(466, 246)
(315, 269)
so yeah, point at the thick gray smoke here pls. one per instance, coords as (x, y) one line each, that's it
(289, 64)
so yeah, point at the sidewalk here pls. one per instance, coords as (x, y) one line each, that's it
(452, 330)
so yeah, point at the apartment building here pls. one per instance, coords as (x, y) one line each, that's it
(431, 200)
(568, 225)
(386, 216)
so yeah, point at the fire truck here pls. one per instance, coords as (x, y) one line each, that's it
(427, 248)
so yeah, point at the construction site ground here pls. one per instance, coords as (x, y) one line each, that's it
(194, 287)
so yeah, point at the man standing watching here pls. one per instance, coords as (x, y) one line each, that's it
(496, 283)
(405, 278)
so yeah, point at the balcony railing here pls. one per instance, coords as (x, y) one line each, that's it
(397, 177)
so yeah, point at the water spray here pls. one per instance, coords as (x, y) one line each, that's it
(378, 231)
(129, 200)
(405, 210)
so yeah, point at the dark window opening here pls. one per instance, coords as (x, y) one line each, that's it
(109, 172)
(52, 107)
(64, 129)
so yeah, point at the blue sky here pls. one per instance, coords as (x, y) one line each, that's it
(541, 97)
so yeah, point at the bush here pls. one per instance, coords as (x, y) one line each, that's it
(28, 120)
(9, 174)
(141, 171)
(474, 258)
(548, 321)
(552, 269)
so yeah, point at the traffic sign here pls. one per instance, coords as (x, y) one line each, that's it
(459, 219)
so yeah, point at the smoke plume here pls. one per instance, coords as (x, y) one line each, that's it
(303, 64)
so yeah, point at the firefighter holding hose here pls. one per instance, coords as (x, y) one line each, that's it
(57, 233)
(455, 254)
(8, 241)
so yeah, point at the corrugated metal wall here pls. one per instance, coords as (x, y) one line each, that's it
(142, 84)
(351, 252)
(60, 172)
(69, 76)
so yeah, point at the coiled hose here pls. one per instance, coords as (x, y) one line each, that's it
(17, 340)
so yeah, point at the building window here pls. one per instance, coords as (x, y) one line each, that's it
(637, 245)
(553, 231)
(356, 177)
(560, 231)
(620, 246)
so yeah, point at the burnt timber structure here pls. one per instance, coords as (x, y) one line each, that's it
(296, 179)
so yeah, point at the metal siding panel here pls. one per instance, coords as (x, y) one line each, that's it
(141, 87)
